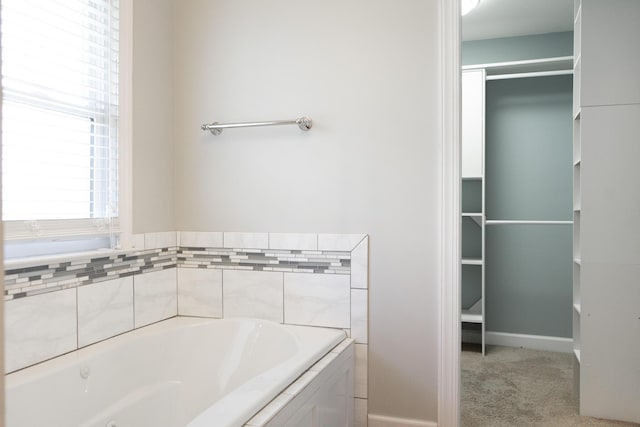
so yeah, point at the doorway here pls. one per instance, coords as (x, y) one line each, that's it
(516, 211)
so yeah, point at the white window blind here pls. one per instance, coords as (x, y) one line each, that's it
(60, 119)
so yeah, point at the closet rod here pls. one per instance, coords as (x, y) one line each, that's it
(531, 74)
(304, 123)
(519, 222)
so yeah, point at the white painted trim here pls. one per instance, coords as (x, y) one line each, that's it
(384, 421)
(533, 342)
(450, 267)
(125, 130)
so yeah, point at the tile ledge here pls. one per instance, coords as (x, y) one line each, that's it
(13, 263)
(340, 242)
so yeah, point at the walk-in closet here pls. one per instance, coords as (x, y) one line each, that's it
(550, 210)
(516, 198)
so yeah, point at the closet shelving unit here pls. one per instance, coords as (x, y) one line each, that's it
(475, 312)
(577, 201)
(606, 253)
(473, 218)
(474, 79)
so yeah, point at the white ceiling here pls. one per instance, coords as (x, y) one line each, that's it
(508, 18)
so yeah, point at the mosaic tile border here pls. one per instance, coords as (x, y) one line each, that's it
(292, 261)
(44, 278)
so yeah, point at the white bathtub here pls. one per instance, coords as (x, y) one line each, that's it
(179, 372)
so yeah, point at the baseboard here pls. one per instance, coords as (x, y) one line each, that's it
(534, 342)
(384, 421)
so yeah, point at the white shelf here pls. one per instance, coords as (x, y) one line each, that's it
(471, 318)
(577, 307)
(473, 314)
(472, 261)
(562, 63)
(577, 79)
(576, 352)
(577, 260)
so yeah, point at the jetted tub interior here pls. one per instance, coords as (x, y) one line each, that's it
(179, 372)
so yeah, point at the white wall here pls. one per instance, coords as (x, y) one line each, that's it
(367, 74)
(152, 117)
(2, 404)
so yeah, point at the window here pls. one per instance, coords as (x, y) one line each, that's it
(60, 123)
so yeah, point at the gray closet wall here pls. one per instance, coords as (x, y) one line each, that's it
(528, 155)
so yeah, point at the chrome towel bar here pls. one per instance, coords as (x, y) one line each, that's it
(304, 123)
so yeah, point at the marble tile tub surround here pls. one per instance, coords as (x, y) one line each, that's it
(47, 325)
(303, 279)
(307, 279)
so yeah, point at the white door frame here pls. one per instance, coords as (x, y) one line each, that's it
(449, 328)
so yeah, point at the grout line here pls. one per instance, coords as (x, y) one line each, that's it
(177, 293)
(133, 299)
(350, 307)
(283, 299)
(77, 321)
(222, 291)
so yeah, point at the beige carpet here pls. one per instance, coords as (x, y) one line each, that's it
(524, 388)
